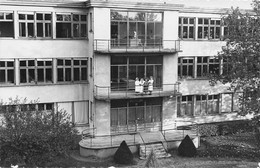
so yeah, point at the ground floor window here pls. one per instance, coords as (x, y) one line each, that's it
(136, 111)
(200, 105)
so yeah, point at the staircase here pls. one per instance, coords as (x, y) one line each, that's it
(158, 150)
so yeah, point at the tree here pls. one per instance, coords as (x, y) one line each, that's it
(241, 57)
(32, 136)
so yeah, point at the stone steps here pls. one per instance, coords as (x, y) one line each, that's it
(158, 150)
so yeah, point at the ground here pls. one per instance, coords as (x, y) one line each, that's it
(230, 151)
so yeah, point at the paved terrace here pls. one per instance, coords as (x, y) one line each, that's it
(136, 138)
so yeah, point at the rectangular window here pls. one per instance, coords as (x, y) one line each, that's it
(206, 66)
(186, 28)
(6, 24)
(26, 25)
(186, 67)
(185, 106)
(44, 26)
(215, 32)
(6, 71)
(71, 26)
(72, 70)
(203, 28)
(36, 71)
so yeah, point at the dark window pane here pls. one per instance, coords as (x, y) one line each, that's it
(31, 63)
(30, 30)
(67, 62)
(10, 64)
(9, 16)
(31, 75)
(60, 62)
(48, 63)
(22, 63)
(47, 16)
(68, 74)
(84, 62)
(83, 32)
(48, 75)
(22, 30)
(10, 76)
(83, 17)
(63, 30)
(39, 29)
(2, 63)
(75, 17)
(76, 74)
(39, 16)
(75, 30)
(23, 76)
(84, 73)
(76, 62)
(60, 74)
(6, 29)
(40, 63)
(40, 73)
(2, 76)
(30, 17)
(21, 16)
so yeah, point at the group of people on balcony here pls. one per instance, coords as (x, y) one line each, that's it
(144, 86)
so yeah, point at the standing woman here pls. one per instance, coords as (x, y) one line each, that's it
(137, 85)
(150, 85)
(142, 86)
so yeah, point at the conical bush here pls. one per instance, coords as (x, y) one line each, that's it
(187, 148)
(123, 154)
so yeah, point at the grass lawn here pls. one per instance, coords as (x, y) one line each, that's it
(228, 151)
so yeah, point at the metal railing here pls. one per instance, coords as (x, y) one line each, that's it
(106, 92)
(111, 137)
(189, 125)
(104, 45)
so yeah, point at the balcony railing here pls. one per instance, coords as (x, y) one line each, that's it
(105, 92)
(136, 45)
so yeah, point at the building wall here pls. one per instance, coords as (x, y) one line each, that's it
(102, 117)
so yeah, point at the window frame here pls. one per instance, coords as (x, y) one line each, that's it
(182, 24)
(71, 67)
(7, 68)
(72, 22)
(5, 19)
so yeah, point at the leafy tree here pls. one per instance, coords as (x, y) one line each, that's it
(31, 136)
(241, 57)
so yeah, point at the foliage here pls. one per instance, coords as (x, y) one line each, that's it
(31, 136)
(187, 148)
(123, 154)
(225, 128)
(241, 57)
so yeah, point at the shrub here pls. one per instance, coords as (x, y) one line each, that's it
(187, 148)
(34, 137)
(225, 128)
(123, 154)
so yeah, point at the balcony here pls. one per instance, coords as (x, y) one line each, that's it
(106, 93)
(136, 46)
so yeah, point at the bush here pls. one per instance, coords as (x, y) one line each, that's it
(34, 137)
(187, 148)
(225, 128)
(123, 154)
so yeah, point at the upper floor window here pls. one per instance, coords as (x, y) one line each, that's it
(71, 25)
(44, 26)
(203, 66)
(136, 28)
(208, 28)
(6, 24)
(72, 70)
(7, 71)
(26, 25)
(186, 28)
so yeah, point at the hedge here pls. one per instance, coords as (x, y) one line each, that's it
(225, 128)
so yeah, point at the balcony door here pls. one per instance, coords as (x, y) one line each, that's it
(124, 71)
(136, 29)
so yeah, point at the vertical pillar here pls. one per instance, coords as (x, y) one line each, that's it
(16, 25)
(16, 72)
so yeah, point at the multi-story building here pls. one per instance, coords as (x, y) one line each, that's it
(84, 57)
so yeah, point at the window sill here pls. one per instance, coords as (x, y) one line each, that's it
(81, 124)
(42, 84)
(188, 79)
